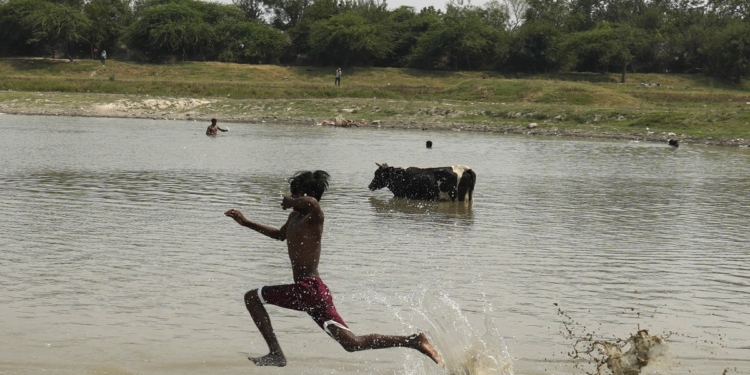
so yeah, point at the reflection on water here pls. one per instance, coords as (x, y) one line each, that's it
(116, 255)
(458, 213)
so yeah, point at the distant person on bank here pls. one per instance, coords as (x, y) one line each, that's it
(104, 56)
(337, 82)
(213, 129)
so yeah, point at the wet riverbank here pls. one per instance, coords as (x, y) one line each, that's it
(398, 114)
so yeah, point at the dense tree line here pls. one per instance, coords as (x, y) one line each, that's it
(510, 36)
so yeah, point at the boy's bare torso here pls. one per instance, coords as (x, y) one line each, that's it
(303, 236)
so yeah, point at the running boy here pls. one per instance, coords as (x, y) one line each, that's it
(302, 232)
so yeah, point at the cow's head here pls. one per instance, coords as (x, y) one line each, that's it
(382, 176)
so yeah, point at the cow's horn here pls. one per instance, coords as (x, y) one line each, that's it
(378, 164)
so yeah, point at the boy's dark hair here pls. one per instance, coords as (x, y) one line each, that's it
(310, 183)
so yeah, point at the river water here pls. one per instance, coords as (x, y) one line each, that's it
(116, 257)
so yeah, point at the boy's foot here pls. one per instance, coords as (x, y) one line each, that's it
(270, 359)
(424, 346)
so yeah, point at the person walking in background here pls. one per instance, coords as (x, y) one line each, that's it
(337, 82)
(104, 56)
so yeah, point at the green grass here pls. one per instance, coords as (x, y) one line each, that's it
(569, 95)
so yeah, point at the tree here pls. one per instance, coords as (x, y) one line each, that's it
(582, 15)
(497, 15)
(75, 4)
(172, 28)
(536, 47)
(516, 12)
(109, 20)
(14, 30)
(552, 13)
(728, 52)
(618, 11)
(349, 39)
(217, 14)
(287, 13)
(56, 26)
(299, 34)
(251, 42)
(253, 9)
(737, 9)
(606, 46)
(372, 10)
(407, 27)
(463, 40)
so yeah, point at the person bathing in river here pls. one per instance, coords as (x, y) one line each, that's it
(303, 232)
(213, 128)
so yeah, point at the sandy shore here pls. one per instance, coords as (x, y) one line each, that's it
(258, 111)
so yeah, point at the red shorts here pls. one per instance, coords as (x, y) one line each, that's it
(310, 295)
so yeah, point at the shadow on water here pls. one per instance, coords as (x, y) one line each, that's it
(458, 213)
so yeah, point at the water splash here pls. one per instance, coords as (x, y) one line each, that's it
(645, 354)
(463, 349)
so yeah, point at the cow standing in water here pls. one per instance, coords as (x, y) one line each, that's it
(446, 183)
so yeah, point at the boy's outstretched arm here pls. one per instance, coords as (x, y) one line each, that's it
(276, 234)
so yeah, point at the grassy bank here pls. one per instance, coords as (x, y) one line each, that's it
(693, 107)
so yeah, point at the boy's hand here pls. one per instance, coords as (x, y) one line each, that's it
(286, 202)
(236, 215)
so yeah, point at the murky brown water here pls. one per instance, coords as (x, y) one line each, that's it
(116, 257)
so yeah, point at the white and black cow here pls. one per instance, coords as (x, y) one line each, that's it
(446, 183)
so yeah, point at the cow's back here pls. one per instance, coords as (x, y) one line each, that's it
(449, 183)
(421, 184)
(459, 170)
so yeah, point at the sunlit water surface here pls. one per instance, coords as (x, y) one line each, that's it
(116, 257)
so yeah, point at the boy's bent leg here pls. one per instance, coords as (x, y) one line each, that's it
(352, 343)
(254, 305)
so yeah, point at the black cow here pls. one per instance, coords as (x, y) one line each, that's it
(446, 183)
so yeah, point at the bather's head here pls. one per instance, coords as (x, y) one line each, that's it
(309, 183)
